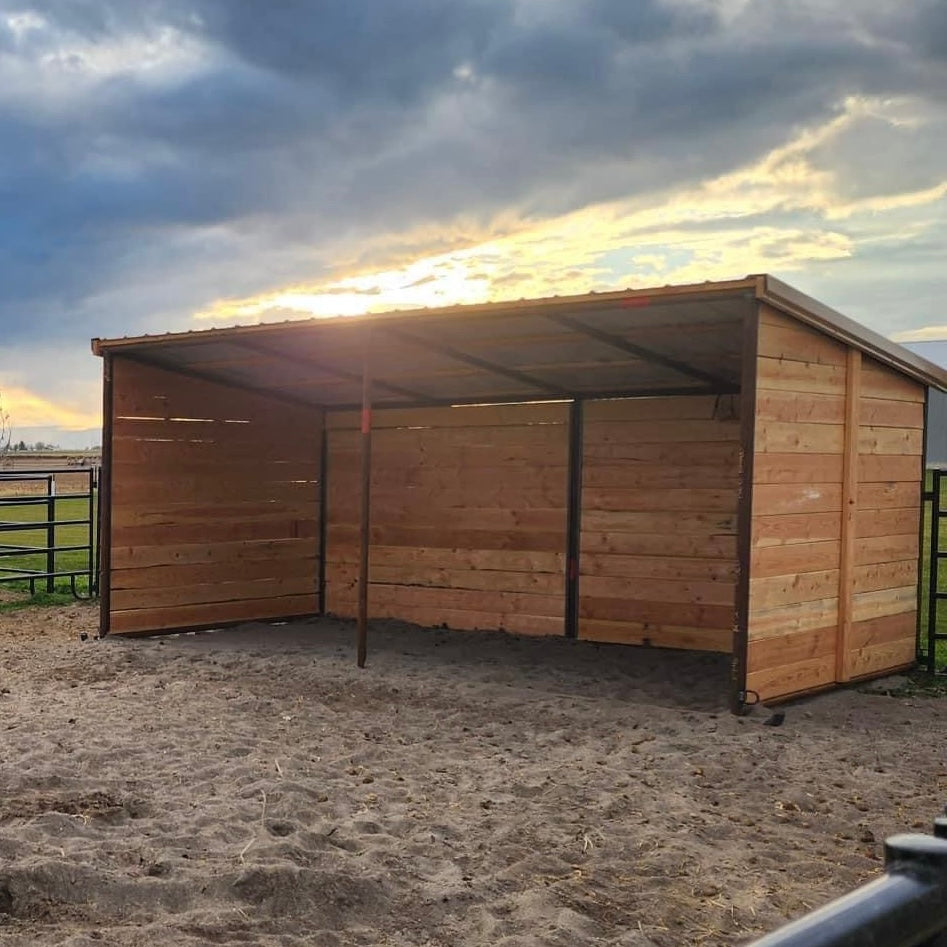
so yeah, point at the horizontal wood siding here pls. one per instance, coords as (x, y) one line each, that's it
(834, 561)
(884, 579)
(468, 516)
(658, 527)
(215, 503)
(796, 539)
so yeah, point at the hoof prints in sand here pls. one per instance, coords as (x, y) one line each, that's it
(255, 788)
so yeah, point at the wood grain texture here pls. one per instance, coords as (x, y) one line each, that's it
(215, 503)
(851, 498)
(655, 634)
(209, 614)
(798, 498)
(468, 516)
(836, 502)
(658, 528)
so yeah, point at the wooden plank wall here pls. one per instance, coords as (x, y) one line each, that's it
(832, 594)
(884, 579)
(797, 507)
(658, 533)
(468, 516)
(215, 503)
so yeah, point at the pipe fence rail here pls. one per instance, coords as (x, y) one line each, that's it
(936, 512)
(905, 907)
(37, 553)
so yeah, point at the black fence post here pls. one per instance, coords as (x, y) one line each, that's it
(934, 572)
(95, 479)
(50, 533)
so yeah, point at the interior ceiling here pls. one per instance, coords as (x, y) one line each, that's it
(589, 348)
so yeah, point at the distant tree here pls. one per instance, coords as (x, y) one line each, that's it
(6, 431)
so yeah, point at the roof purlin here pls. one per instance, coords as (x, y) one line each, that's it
(475, 361)
(640, 351)
(305, 361)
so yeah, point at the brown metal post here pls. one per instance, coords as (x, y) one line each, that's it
(323, 514)
(365, 509)
(738, 664)
(924, 579)
(105, 498)
(574, 518)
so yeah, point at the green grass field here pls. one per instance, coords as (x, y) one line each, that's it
(74, 535)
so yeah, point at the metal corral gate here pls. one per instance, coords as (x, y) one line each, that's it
(935, 512)
(35, 561)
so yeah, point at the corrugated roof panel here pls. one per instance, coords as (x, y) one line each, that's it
(632, 340)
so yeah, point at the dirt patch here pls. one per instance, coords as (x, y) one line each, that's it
(254, 786)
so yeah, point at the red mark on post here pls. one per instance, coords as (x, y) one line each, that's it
(366, 420)
(636, 302)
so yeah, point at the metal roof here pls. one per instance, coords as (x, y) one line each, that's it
(665, 340)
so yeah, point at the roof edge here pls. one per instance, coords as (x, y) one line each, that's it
(784, 297)
(749, 285)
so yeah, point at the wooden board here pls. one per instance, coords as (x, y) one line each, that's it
(791, 559)
(655, 635)
(852, 497)
(210, 614)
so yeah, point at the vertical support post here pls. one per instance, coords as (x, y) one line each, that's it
(90, 534)
(922, 510)
(105, 498)
(366, 496)
(846, 588)
(741, 624)
(933, 582)
(50, 533)
(574, 517)
(323, 518)
(96, 474)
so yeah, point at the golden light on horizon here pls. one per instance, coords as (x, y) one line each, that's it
(28, 409)
(778, 214)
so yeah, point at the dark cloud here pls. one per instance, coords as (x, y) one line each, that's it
(399, 50)
(137, 193)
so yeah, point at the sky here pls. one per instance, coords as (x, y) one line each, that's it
(182, 164)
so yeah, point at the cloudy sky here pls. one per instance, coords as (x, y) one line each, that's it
(173, 164)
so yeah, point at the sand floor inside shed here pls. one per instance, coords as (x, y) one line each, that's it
(464, 789)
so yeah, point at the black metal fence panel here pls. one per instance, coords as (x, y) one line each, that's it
(36, 561)
(936, 586)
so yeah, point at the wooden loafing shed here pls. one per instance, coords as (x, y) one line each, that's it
(727, 466)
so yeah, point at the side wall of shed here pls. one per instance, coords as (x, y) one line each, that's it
(888, 502)
(214, 514)
(468, 516)
(835, 508)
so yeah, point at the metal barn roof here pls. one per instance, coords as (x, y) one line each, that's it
(666, 340)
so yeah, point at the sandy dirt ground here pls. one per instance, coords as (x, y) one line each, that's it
(255, 787)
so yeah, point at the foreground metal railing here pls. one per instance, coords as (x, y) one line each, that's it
(905, 907)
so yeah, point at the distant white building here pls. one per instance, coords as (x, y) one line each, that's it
(936, 352)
